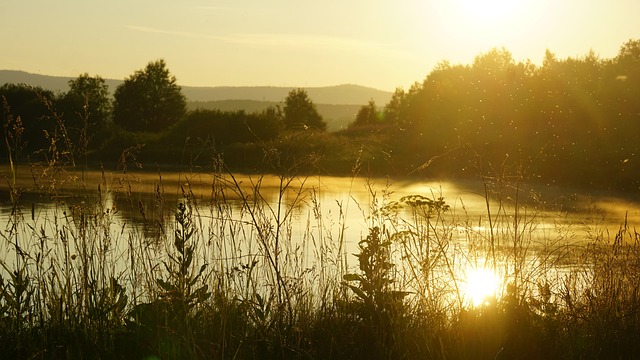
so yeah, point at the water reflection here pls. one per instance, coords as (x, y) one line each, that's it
(322, 220)
(481, 286)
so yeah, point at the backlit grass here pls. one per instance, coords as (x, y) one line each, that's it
(241, 272)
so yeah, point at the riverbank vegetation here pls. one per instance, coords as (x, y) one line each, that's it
(236, 274)
(578, 114)
(239, 274)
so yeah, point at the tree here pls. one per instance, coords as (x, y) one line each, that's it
(265, 125)
(300, 112)
(149, 100)
(368, 115)
(395, 110)
(629, 52)
(86, 106)
(31, 105)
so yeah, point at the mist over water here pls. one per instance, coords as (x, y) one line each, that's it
(338, 208)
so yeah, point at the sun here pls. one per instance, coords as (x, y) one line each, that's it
(481, 286)
(488, 12)
(473, 25)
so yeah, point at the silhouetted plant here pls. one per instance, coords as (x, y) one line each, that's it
(380, 305)
(17, 306)
(172, 316)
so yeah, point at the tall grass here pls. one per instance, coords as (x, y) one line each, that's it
(238, 274)
(260, 269)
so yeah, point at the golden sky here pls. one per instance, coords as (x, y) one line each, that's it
(382, 44)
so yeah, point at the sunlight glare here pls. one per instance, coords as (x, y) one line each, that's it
(481, 286)
(487, 11)
(494, 20)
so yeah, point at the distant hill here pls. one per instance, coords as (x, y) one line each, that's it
(53, 83)
(338, 95)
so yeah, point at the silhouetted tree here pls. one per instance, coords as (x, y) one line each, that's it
(629, 53)
(267, 124)
(367, 115)
(300, 112)
(86, 108)
(32, 105)
(149, 100)
(394, 111)
(229, 127)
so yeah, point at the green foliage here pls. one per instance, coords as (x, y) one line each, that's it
(375, 280)
(227, 277)
(381, 307)
(30, 105)
(368, 118)
(629, 55)
(108, 305)
(300, 112)
(16, 309)
(149, 100)
(12, 129)
(173, 316)
(367, 115)
(16, 299)
(578, 114)
(226, 128)
(86, 109)
(572, 113)
(393, 111)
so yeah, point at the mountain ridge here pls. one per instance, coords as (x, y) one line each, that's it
(344, 94)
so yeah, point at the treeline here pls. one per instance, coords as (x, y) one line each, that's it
(147, 119)
(572, 121)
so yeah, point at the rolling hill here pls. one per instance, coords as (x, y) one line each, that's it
(338, 104)
(338, 95)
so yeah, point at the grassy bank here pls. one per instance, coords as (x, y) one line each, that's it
(237, 275)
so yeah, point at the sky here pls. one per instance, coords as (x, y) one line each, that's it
(301, 43)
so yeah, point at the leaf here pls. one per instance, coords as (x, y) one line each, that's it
(398, 295)
(202, 268)
(357, 291)
(351, 277)
(195, 279)
(166, 286)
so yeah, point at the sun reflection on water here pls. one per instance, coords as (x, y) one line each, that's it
(481, 286)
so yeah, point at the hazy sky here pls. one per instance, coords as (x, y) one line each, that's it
(382, 44)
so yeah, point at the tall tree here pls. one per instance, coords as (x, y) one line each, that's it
(86, 106)
(300, 111)
(394, 111)
(31, 105)
(367, 115)
(629, 52)
(149, 100)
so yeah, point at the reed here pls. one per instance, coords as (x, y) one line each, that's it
(259, 269)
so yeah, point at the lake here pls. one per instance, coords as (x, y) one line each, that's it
(292, 226)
